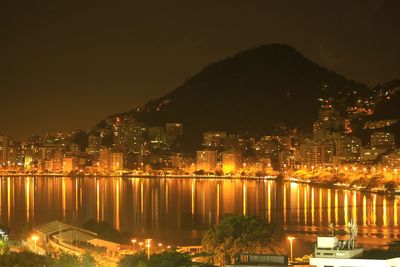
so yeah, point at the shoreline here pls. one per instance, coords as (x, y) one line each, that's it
(380, 191)
(178, 176)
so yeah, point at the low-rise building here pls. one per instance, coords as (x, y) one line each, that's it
(207, 160)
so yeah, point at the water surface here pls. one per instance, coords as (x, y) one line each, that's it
(180, 210)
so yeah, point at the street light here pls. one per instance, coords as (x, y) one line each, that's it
(140, 246)
(291, 238)
(35, 239)
(133, 244)
(148, 248)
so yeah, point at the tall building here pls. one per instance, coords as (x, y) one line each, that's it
(321, 154)
(58, 161)
(382, 140)
(104, 160)
(268, 147)
(117, 123)
(172, 132)
(348, 148)
(330, 118)
(213, 139)
(117, 161)
(156, 137)
(231, 162)
(316, 153)
(207, 160)
(3, 150)
(69, 164)
(94, 144)
(14, 155)
(286, 158)
(319, 132)
(137, 138)
(233, 143)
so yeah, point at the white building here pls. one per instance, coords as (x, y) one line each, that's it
(331, 252)
(333, 262)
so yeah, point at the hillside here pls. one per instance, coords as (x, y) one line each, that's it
(253, 91)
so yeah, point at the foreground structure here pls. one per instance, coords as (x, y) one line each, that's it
(332, 252)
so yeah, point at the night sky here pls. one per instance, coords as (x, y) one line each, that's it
(68, 64)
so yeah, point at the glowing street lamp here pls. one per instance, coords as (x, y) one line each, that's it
(291, 238)
(140, 246)
(35, 238)
(133, 244)
(148, 245)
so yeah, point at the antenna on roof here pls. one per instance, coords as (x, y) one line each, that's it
(332, 226)
(352, 234)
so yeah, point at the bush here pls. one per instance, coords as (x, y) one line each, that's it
(25, 258)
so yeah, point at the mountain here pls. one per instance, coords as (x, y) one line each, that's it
(254, 90)
(386, 112)
(388, 106)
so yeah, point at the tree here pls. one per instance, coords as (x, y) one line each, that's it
(164, 259)
(200, 172)
(88, 260)
(67, 260)
(390, 186)
(169, 259)
(25, 258)
(237, 234)
(374, 182)
(137, 260)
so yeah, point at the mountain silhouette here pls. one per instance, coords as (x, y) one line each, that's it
(253, 91)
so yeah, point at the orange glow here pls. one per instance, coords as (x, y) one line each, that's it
(384, 212)
(365, 219)
(284, 203)
(97, 201)
(193, 191)
(312, 205)
(345, 207)
(218, 204)
(63, 198)
(269, 202)
(395, 211)
(354, 207)
(305, 204)
(117, 207)
(374, 210)
(244, 199)
(27, 198)
(336, 207)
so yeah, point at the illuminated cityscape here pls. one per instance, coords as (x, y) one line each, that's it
(135, 149)
(183, 134)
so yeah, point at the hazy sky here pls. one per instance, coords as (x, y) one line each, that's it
(68, 64)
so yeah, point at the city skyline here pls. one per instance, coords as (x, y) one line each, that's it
(200, 133)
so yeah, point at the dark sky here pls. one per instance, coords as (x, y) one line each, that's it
(68, 64)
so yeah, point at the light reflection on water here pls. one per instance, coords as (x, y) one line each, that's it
(181, 209)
